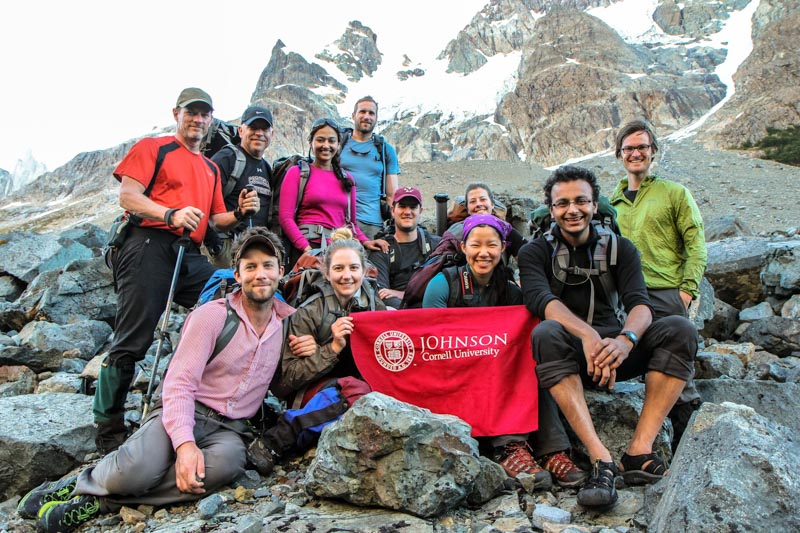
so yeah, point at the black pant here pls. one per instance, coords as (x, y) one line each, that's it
(669, 345)
(142, 274)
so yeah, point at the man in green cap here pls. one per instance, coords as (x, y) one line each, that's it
(168, 188)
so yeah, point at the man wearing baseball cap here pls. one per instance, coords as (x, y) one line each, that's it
(241, 166)
(168, 188)
(410, 245)
(191, 444)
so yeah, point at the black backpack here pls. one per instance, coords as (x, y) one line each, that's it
(604, 255)
(220, 134)
(447, 253)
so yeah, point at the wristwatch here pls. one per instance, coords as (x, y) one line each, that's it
(631, 336)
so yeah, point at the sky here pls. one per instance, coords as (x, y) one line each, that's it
(86, 75)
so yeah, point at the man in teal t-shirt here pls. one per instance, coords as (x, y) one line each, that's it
(362, 158)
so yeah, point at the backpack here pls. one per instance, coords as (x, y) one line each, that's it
(380, 145)
(447, 253)
(220, 134)
(279, 169)
(604, 257)
(426, 243)
(459, 211)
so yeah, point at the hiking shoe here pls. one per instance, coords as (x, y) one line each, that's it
(600, 490)
(516, 458)
(679, 415)
(110, 436)
(49, 491)
(564, 471)
(63, 517)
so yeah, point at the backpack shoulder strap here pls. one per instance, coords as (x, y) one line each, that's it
(236, 173)
(424, 245)
(305, 172)
(380, 145)
(229, 329)
(605, 257)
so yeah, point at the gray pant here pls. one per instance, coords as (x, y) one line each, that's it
(667, 302)
(142, 470)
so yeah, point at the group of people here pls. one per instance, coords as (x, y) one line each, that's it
(193, 441)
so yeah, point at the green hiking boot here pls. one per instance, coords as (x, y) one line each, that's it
(63, 517)
(49, 491)
(109, 406)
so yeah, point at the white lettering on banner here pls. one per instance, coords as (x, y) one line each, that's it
(449, 342)
(394, 350)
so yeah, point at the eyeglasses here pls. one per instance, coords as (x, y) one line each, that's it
(580, 201)
(642, 148)
(324, 122)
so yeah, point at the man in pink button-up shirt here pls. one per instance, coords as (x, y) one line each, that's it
(193, 444)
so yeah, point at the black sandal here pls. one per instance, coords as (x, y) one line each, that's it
(642, 469)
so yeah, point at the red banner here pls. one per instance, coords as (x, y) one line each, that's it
(472, 362)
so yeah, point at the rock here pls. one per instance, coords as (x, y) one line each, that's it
(710, 365)
(727, 476)
(777, 335)
(92, 369)
(60, 382)
(391, 454)
(10, 288)
(723, 322)
(131, 516)
(762, 310)
(335, 516)
(26, 254)
(89, 235)
(726, 226)
(781, 275)
(760, 366)
(489, 478)
(547, 513)
(16, 380)
(615, 416)
(86, 336)
(43, 436)
(357, 54)
(703, 310)
(210, 505)
(36, 360)
(791, 308)
(733, 268)
(779, 402)
(743, 351)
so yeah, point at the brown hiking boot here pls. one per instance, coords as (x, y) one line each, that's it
(516, 458)
(564, 471)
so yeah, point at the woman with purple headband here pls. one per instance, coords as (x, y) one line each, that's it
(484, 282)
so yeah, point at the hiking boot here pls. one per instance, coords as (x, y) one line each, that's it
(601, 488)
(49, 491)
(679, 415)
(63, 517)
(516, 458)
(564, 471)
(110, 436)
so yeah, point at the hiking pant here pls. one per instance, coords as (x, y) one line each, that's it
(669, 345)
(142, 470)
(143, 270)
(667, 302)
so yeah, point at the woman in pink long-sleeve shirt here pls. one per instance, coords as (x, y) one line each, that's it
(325, 199)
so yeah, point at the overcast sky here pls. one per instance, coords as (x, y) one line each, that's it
(85, 75)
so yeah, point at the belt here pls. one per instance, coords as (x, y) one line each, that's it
(239, 426)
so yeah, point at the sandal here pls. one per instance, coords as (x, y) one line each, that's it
(642, 469)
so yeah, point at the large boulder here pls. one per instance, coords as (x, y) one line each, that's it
(387, 453)
(43, 436)
(723, 322)
(615, 415)
(738, 472)
(779, 402)
(775, 334)
(725, 226)
(85, 336)
(781, 275)
(25, 254)
(733, 268)
(82, 290)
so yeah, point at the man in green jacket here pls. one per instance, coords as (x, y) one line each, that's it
(663, 221)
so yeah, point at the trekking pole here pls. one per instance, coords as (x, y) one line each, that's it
(249, 189)
(441, 211)
(183, 243)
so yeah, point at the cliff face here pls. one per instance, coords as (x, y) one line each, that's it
(767, 83)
